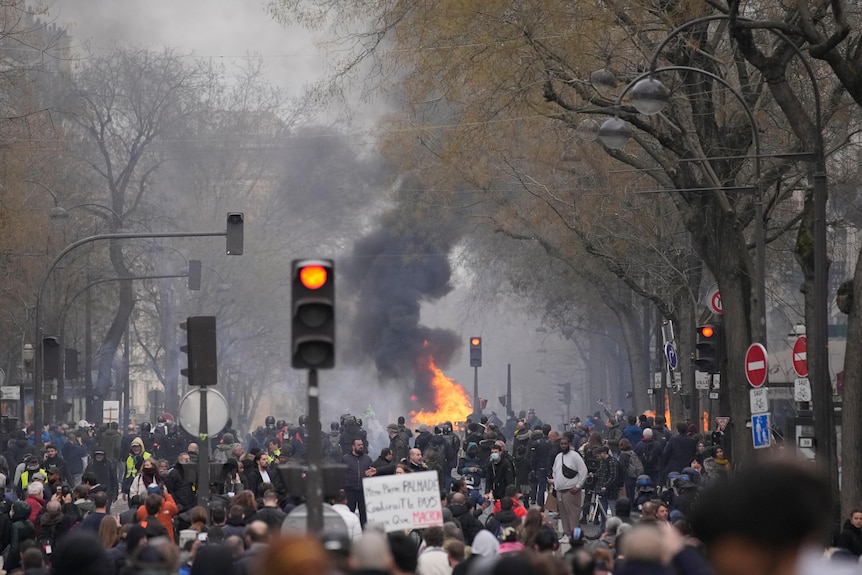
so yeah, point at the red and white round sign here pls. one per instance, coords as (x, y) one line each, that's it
(800, 356)
(756, 365)
(715, 302)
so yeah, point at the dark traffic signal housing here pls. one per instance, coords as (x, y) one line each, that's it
(51, 362)
(708, 346)
(234, 233)
(202, 350)
(475, 352)
(313, 314)
(565, 392)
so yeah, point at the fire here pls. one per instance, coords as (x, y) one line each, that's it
(450, 399)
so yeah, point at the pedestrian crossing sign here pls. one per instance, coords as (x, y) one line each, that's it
(760, 430)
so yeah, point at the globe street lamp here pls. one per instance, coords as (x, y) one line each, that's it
(651, 98)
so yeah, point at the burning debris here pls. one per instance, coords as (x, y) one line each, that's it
(392, 272)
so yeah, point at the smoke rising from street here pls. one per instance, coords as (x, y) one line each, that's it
(393, 270)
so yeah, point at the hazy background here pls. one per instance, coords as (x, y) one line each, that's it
(230, 31)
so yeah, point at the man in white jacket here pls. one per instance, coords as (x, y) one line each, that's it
(569, 475)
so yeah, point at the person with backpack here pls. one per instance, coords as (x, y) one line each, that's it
(54, 524)
(633, 466)
(649, 453)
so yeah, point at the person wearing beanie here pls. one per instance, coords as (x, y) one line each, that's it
(650, 453)
(679, 451)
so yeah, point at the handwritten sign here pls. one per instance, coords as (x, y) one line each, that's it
(407, 501)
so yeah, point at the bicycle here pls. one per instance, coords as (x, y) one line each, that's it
(593, 518)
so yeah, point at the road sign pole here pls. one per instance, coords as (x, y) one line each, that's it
(203, 453)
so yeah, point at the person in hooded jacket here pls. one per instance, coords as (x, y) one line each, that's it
(224, 450)
(137, 455)
(461, 513)
(470, 466)
(104, 470)
(21, 530)
(485, 547)
(850, 537)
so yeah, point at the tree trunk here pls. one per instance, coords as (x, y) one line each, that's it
(851, 407)
(108, 348)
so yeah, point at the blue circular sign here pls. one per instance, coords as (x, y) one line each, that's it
(670, 354)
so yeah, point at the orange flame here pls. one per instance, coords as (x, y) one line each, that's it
(450, 399)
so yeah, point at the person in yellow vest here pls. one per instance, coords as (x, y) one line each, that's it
(136, 458)
(31, 468)
(274, 450)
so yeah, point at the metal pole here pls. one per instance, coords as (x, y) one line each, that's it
(203, 452)
(314, 495)
(477, 409)
(509, 389)
(88, 358)
(38, 408)
(127, 385)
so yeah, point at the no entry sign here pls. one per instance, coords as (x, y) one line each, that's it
(756, 365)
(800, 356)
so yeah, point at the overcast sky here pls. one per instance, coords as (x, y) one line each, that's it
(219, 29)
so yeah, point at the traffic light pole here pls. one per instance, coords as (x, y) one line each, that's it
(477, 407)
(203, 452)
(314, 492)
(38, 395)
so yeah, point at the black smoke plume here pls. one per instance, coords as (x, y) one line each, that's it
(392, 271)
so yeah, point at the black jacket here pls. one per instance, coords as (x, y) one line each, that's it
(356, 468)
(850, 538)
(180, 489)
(499, 475)
(468, 522)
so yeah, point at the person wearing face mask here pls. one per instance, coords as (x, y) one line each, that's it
(500, 472)
(358, 466)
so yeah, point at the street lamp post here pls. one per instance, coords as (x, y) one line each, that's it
(615, 132)
(38, 399)
(27, 355)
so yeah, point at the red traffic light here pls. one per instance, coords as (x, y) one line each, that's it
(313, 277)
(475, 341)
(707, 331)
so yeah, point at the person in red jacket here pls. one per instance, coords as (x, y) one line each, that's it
(166, 512)
(517, 506)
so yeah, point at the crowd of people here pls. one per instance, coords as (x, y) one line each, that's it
(513, 498)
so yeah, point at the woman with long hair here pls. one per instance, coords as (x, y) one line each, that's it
(109, 531)
(148, 475)
(532, 524)
(246, 500)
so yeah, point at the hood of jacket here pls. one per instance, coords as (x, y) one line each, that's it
(20, 511)
(458, 509)
(849, 525)
(506, 517)
(139, 442)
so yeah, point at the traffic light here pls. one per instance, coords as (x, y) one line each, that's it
(233, 234)
(201, 348)
(475, 352)
(313, 314)
(708, 354)
(194, 275)
(565, 392)
(51, 357)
